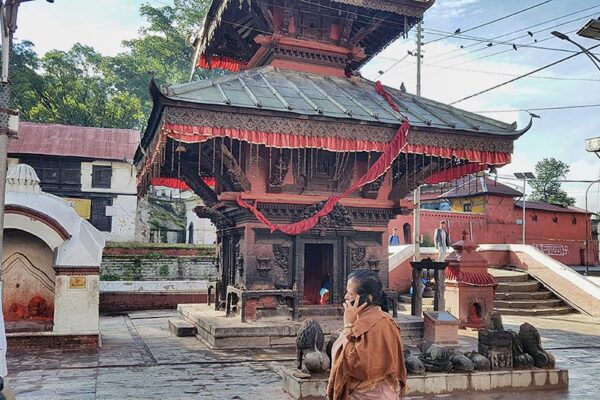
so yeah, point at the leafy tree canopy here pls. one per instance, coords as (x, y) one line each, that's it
(547, 186)
(83, 87)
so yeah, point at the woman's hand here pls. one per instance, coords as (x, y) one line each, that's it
(351, 311)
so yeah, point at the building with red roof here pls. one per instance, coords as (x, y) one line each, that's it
(92, 168)
(493, 213)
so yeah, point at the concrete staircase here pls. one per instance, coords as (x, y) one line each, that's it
(520, 294)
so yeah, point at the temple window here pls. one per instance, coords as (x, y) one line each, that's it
(534, 218)
(574, 221)
(467, 207)
(555, 219)
(99, 218)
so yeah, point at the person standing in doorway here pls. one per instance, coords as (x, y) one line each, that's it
(394, 238)
(442, 240)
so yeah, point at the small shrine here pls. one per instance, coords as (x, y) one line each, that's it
(311, 160)
(50, 269)
(470, 288)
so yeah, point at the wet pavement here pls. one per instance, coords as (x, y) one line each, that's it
(141, 359)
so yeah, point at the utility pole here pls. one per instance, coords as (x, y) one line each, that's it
(9, 126)
(419, 55)
(417, 225)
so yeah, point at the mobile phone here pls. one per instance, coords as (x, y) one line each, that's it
(363, 298)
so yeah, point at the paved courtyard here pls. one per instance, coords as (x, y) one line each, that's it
(140, 359)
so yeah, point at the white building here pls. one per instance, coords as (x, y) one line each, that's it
(193, 230)
(91, 168)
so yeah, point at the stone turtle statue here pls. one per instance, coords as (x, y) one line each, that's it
(413, 364)
(532, 345)
(309, 340)
(436, 359)
(460, 362)
(480, 362)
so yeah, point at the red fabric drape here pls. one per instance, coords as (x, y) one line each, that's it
(220, 63)
(377, 169)
(175, 183)
(172, 183)
(453, 173)
(195, 134)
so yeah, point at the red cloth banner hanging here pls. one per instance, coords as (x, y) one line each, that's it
(453, 173)
(196, 134)
(227, 63)
(377, 169)
(383, 163)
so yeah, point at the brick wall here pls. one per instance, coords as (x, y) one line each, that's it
(156, 268)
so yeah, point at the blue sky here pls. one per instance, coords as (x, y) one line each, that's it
(458, 73)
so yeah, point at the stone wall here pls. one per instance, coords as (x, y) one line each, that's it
(156, 267)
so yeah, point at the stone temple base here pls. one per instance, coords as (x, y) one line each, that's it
(439, 384)
(221, 332)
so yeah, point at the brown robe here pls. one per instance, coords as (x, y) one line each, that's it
(373, 352)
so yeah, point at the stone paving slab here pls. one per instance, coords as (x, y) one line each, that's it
(185, 368)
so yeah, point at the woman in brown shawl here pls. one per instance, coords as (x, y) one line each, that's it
(367, 359)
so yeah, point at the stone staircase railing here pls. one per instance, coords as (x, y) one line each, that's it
(573, 288)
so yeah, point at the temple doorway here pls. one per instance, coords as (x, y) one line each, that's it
(406, 231)
(318, 273)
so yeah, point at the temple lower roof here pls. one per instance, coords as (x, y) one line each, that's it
(346, 99)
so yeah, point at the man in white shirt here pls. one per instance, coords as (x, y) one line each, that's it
(441, 240)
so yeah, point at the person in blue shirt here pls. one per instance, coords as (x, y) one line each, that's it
(394, 238)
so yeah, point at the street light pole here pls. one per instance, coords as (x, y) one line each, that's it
(524, 201)
(525, 176)
(585, 258)
(595, 60)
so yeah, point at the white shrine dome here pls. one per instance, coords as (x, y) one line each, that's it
(76, 242)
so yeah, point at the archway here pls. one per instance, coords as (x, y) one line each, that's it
(406, 231)
(29, 282)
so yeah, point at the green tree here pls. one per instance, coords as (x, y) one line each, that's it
(24, 77)
(75, 91)
(546, 186)
(160, 51)
(82, 87)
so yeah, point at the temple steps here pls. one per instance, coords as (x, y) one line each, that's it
(520, 294)
(539, 295)
(547, 303)
(536, 312)
(529, 286)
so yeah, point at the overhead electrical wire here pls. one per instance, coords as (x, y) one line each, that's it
(539, 108)
(505, 50)
(522, 76)
(496, 20)
(526, 28)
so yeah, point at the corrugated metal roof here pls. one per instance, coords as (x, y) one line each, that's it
(479, 185)
(75, 141)
(538, 205)
(300, 93)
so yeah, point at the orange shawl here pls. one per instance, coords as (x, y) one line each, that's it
(373, 351)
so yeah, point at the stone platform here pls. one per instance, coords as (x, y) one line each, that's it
(221, 332)
(445, 384)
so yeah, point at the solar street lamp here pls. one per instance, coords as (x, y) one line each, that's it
(525, 176)
(591, 30)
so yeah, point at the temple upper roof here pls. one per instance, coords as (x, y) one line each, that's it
(334, 34)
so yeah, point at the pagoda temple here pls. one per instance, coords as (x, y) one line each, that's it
(311, 161)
